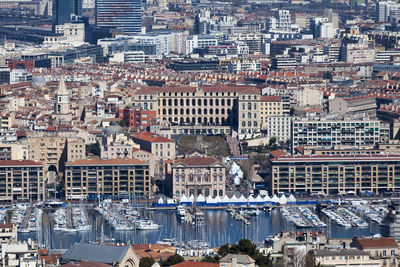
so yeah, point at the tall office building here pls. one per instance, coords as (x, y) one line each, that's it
(63, 9)
(125, 15)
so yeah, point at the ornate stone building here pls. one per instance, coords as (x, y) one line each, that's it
(205, 109)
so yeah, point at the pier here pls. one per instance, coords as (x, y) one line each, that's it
(238, 216)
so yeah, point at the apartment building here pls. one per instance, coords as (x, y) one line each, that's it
(353, 105)
(334, 173)
(278, 127)
(205, 109)
(162, 148)
(22, 180)
(198, 176)
(54, 151)
(384, 249)
(88, 178)
(343, 257)
(14, 151)
(327, 133)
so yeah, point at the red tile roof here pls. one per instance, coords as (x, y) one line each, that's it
(196, 264)
(98, 161)
(152, 137)
(20, 163)
(197, 161)
(366, 243)
(270, 98)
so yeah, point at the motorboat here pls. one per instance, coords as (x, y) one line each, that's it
(147, 225)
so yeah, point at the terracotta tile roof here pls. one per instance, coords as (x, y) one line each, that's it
(366, 243)
(152, 137)
(20, 163)
(85, 264)
(270, 98)
(6, 225)
(155, 251)
(197, 161)
(196, 264)
(98, 161)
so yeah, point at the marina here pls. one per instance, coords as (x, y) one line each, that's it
(302, 217)
(344, 217)
(123, 223)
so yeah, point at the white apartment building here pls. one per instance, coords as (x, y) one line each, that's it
(330, 133)
(70, 33)
(199, 41)
(165, 41)
(19, 75)
(279, 127)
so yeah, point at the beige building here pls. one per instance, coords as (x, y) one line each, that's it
(270, 106)
(162, 148)
(342, 257)
(13, 151)
(354, 105)
(87, 178)
(204, 110)
(146, 157)
(54, 151)
(22, 180)
(198, 175)
(8, 232)
(384, 249)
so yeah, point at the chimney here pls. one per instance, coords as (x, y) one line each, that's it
(234, 262)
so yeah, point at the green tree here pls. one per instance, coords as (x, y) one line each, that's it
(210, 259)
(224, 250)
(172, 260)
(122, 123)
(94, 149)
(247, 247)
(146, 262)
(310, 259)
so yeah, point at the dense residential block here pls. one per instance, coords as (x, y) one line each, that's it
(21, 180)
(331, 174)
(86, 179)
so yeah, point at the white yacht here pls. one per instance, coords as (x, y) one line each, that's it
(147, 225)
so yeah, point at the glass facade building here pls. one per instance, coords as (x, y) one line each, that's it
(63, 9)
(124, 15)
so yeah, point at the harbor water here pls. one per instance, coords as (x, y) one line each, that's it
(220, 228)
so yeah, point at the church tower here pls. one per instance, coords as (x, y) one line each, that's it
(61, 106)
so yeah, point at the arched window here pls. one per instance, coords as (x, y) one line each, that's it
(205, 102)
(193, 102)
(206, 192)
(176, 111)
(176, 102)
(199, 111)
(164, 111)
(164, 102)
(205, 111)
(169, 111)
(220, 193)
(169, 102)
(199, 102)
(187, 111)
(181, 102)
